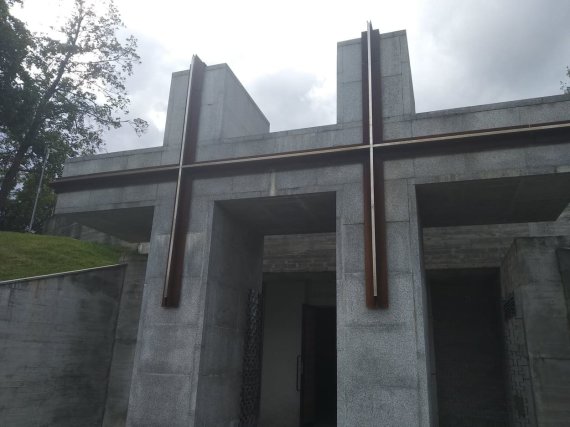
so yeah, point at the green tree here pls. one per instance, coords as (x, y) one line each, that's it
(60, 92)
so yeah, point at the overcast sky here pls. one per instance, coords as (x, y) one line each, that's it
(462, 52)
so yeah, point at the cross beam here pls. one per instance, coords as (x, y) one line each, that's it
(370, 153)
(183, 195)
(375, 255)
(393, 149)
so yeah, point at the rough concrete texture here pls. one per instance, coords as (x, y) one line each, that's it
(397, 362)
(125, 340)
(397, 90)
(299, 252)
(235, 267)
(60, 225)
(383, 356)
(479, 246)
(531, 273)
(56, 347)
(472, 246)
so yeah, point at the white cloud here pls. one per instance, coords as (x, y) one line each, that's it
(462, 53)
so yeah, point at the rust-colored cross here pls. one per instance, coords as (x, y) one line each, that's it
(373, 185)
(371, 153)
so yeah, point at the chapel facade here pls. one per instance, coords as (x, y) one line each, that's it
(394, 268)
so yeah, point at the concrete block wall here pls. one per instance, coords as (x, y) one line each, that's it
(57, 345)
(473, 246)
(519, 383)
(477, 246)
(299, 252)
(521, 399)
(531, 271)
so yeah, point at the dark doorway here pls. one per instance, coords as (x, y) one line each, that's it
(468, 341)
(299, 319)
(318, 368)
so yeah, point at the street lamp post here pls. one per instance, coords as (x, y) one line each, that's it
(29, 228)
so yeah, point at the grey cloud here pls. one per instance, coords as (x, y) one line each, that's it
(285, 98)
(148, 90)
(485, 51)
(500, 50)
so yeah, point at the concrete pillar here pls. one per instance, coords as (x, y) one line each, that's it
(235, 266)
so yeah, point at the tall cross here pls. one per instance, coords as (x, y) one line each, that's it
(371, 153)
(373, 185)
(183, 194)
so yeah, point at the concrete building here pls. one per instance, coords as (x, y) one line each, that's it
(395, 268)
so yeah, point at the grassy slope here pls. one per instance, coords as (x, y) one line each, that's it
(25, 255)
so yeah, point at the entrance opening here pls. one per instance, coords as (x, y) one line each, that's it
(468, 347)
(280, 371)
(299, 350)
(318, 376)
(468, 227)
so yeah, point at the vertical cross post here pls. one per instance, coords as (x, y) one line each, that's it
(375, 261)
(183, 195)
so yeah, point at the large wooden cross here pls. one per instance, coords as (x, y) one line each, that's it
(371, 153)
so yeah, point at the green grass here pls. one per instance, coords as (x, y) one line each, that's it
(26, 255)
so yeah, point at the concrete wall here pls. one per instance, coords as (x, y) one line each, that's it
(56, 347)
(235, 267)
(472, 246)
(59, 225)
(397, 89)
(299, 252)
(532, 273)
(227, 109)
(382, 371)
(382, 355)
(564, 265)
(125, 340)
(480, 246)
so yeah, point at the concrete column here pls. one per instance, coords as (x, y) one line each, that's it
(382, 357)
(235, 266)
(538, 337)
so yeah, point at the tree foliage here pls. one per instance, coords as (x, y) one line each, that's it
(59, 91)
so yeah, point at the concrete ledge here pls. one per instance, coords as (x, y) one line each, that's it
(64, 273)
(495, 106)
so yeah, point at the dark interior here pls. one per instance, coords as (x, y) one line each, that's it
(468, 346)
(318, 379)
